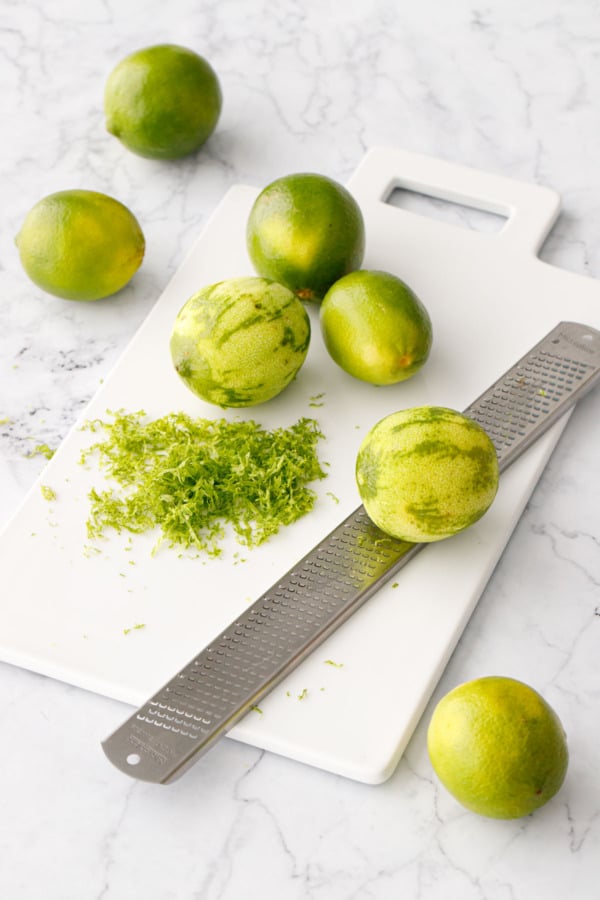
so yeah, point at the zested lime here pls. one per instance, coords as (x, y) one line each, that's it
(426, 473)
(241, 341)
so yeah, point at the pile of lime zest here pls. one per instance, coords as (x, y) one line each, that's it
(42, 450)
(47, 492)
(141, 625)
(192, 477)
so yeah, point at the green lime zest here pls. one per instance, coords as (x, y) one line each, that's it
(42, 450)
(134, 628)
(317, 400)
(191, 478)
(47, 492)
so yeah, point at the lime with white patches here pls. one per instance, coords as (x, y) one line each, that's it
(240, 342)
(426, 473)
(375, 327)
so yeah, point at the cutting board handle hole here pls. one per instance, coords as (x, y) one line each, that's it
(470, 217)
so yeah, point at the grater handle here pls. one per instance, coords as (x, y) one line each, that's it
(208, 696)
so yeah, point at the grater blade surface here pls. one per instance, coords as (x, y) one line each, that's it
(197, 707)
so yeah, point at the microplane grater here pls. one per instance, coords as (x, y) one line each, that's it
(200, 704)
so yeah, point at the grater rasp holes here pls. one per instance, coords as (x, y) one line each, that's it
(247, 654)
(528, 393)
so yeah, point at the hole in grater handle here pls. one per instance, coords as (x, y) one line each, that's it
(225, 680)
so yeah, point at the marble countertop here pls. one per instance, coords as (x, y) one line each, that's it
(506, 87)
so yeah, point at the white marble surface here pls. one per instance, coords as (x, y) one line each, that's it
(507, 87)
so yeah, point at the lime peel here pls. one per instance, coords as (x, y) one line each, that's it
(192, 477)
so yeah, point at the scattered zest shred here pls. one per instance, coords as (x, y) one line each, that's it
(134, 628)
(47, 492)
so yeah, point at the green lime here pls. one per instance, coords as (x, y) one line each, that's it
(375, 327)
(240, 342)
(498, 747)
(305, 231)
(426, 473)
(80, 245)
(162, 102)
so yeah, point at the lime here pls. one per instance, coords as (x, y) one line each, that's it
(375, 327)
(498, 747)
(80, 245)
(162, 102)
(305, 231)
(240, 342)
(426, 473)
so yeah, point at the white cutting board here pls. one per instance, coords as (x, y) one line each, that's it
(63, 611)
